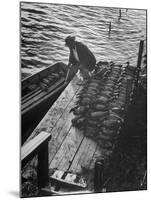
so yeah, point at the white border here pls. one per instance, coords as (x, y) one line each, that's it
(9, 99)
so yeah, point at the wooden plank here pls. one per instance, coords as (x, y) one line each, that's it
(42, 94)
(60, 130)
(63, 107)
(55, 144)
(99, 153)
(68, 179)
(69, 147)
(57, 109)
(30, 147)
(83, 156)
(63, 191)
(88, 167)
(58, 174)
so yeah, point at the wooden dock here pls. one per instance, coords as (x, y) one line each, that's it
(68, 148)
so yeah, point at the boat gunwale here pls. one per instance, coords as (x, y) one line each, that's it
(43, 70)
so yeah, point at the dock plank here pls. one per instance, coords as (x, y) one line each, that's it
(30, 147)
(57, 109)
(65, 154)
(61, 129)
(83, 156)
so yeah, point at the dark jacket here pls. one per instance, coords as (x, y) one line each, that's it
(86, 57)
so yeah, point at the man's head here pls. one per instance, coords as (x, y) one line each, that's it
(70, 41)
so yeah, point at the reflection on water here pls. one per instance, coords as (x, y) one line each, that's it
(45, 26)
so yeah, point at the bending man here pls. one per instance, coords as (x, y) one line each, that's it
(80, 57)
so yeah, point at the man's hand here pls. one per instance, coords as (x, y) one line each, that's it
(68, 71)
(69, 65)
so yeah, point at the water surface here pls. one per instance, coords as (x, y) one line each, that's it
(45, 26)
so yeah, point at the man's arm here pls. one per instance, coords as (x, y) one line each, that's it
(72, 59)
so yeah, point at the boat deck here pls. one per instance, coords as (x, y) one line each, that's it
(69, 149)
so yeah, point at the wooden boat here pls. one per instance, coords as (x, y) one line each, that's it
(39, 86)
(38, 92)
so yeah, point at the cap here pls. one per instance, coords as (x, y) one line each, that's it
(69, 40)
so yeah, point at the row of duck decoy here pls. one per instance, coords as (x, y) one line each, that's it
(100, 106)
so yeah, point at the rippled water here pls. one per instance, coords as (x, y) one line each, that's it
(45, 26)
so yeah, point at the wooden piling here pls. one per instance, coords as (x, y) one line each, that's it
(139, 60)
(38, 145)
(110, 28)
(120, 13)
(98, 175)
(42, 168)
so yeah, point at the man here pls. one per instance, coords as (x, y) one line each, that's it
(80, 57)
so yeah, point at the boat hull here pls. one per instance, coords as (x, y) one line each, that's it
(36, 101)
